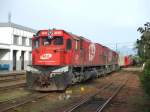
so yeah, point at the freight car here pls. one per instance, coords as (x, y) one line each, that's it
(60, 58)
(125, 61)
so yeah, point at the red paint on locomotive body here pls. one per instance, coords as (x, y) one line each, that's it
(64, 48)
(60, 58)
(50, 51)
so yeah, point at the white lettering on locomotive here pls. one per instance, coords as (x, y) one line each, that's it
(57, 33)
(91, 51)
(45, 56)
(44, 33)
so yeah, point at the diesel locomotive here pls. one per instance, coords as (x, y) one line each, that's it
(60, 58)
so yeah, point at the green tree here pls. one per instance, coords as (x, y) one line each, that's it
(143, 44)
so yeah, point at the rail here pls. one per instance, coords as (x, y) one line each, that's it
(9, 105)
(99, 103)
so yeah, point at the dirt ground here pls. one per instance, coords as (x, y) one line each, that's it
(58, 102)
(131, 98)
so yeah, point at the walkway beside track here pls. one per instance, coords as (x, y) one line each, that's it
(12, 72)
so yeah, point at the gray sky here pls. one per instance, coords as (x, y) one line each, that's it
(103, 21)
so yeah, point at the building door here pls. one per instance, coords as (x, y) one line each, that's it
(14, 59)
(22, 60)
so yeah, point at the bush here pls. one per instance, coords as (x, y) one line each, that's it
(145, 78)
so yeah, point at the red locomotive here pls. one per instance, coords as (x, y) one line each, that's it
(60, 58)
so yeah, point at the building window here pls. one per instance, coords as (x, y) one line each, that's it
(30, 41)
(16, 40)
(24, 41)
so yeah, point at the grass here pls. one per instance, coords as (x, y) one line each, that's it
(145, 82)
(145, 78)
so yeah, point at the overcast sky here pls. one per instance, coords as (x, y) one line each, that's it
(103, 21)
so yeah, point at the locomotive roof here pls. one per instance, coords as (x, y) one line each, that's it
(77, 37)
(106, 47)
(80, 37)
(71, 34)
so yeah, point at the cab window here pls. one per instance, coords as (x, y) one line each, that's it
(68, 44)
(81, 44)
(36, 43)
(46, 41)
(58, 40)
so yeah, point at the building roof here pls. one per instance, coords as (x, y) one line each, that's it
(13, 25)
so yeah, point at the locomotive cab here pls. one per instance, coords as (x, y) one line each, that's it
(49, 50)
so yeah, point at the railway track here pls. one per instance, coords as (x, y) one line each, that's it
(11, 77)
(97, 101)
(14, 103)
(13, 86)
(94, 102)
(11, 81)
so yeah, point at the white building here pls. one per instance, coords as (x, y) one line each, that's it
(15, 46)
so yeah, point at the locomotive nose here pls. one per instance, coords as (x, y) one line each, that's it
(51, 57)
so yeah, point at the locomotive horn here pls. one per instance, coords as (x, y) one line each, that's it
(49, 33)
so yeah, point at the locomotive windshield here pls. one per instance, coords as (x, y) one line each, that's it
(36, 43)
(58, 40)
(46, 41)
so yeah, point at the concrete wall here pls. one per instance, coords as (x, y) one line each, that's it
(5, 35)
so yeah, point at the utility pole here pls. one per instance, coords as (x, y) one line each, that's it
(9, 18)
(116, 47)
